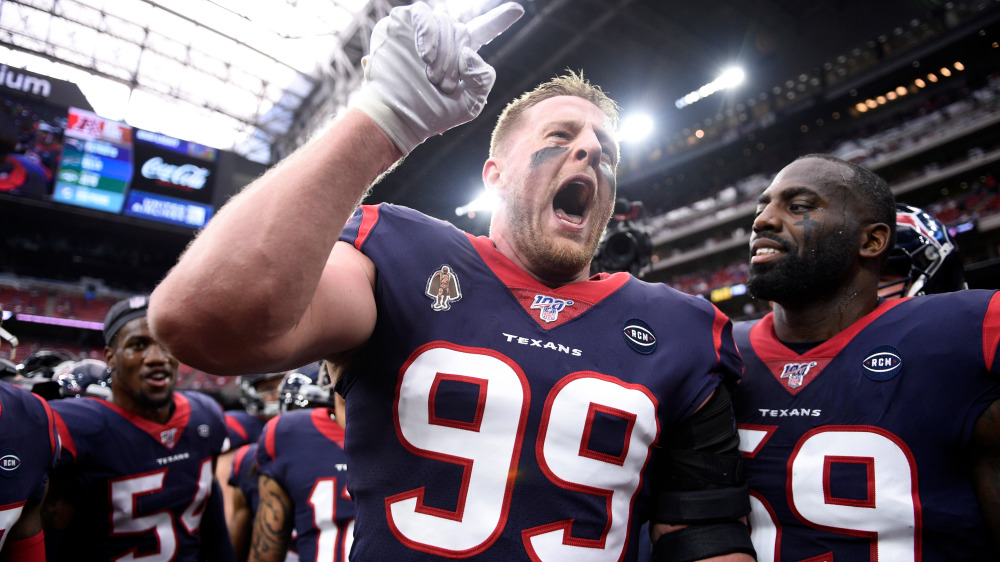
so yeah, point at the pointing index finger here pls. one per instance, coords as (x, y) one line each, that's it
(484, 28)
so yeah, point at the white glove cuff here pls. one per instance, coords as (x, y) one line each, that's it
(388, 120)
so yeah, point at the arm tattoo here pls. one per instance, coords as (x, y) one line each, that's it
(272, 527)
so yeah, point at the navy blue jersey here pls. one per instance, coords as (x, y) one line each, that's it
(494, 418)
(28, 449)
(857, 449)
(302, 451)
(142, 486)
(244, 428)
(244, 475)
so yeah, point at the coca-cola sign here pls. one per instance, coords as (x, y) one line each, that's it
(173, 168)
(186, 176)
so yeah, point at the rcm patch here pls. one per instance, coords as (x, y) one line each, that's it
(883, 363)
(639, 336)
(9, 463)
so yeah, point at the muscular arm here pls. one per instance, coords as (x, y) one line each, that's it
(262, 288)
(240, 523)
(986, 467)
(223, 468)
(272, 528)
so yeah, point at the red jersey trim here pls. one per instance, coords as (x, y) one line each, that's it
(269, 428)
(991, 330)
(238, 459)
(323, 420)
(65, 439)
(524, 287)
(775, 354)
(178, 421)
(235, 425)
(369, 216)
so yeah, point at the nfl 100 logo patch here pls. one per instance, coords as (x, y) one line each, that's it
(550, 307)
(796, 373)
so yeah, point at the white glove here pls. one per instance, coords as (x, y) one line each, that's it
(423, 75)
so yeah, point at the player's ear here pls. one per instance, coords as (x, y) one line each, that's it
(493, 176)
(875, 239)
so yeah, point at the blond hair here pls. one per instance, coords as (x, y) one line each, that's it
(569, 84)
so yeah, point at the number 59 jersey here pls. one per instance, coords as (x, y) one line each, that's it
(858, 448)
(493, 418)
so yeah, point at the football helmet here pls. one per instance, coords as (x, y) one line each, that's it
(253, 399)
(309, 386)
(87, 377)
(925, 256)
(43, 363)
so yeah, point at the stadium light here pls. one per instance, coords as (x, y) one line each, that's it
(728, 79)
(635, 128)
(484, 202)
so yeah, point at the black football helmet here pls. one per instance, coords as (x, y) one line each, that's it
(309, 386)
(925, 255)
(253, 400)
(87, 377)
(43, 363)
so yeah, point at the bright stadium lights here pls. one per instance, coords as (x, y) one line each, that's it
(635, 128)
(485, 202)
(728, 79)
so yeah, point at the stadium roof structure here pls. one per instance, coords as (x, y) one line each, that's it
(260, 76)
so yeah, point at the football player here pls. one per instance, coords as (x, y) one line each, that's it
(259, 397)
(138, 470)
(543, 414)
(871, 427)
(29, 447)
(303, 474)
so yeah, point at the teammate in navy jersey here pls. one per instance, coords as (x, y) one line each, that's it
(138, 474)
(259, 397)
(303, 474)
(871, 427)
(28, 448)
(501, 404)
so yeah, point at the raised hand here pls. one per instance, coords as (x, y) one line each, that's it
(423, 75)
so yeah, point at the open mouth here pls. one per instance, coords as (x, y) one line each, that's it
(572, 201)
(158, 377)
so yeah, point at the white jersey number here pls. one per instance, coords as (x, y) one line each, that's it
(489, 447)
(890, 515)
(9, 514)
(335, 538)
(126, 521)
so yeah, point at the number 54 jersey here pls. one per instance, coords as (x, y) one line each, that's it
(858, 449)
(141, 487)
(493, 418)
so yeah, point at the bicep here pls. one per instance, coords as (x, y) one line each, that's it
(272, 526)
(341, 315)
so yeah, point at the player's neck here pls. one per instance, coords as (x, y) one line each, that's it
(160, 415)
(820, 319)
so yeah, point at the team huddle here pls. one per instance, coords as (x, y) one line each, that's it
(504, 403)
